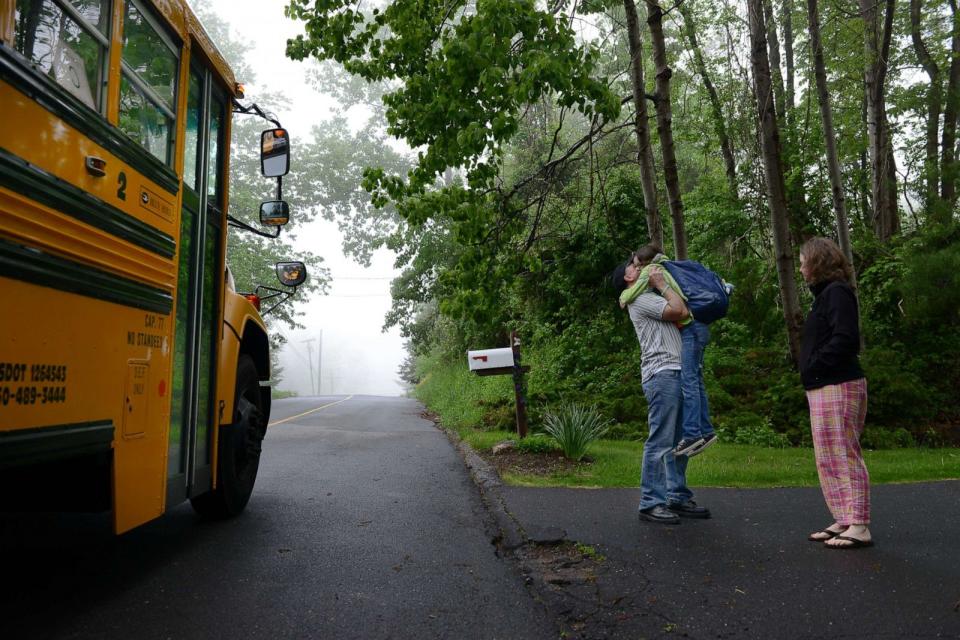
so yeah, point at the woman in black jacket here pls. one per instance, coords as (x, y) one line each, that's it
(836, 392)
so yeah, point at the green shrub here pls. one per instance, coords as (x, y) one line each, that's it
(876, 438)
(498, 415)
(574, 427)
(733, 421)
(460, 397)
(719, 398)
(754, 431)
(536, 443)
(930, 294)
(627, 408)
(632, 430)
(935, 438)
(896, 394)
(582, 348)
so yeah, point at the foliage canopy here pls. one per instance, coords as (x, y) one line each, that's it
(525, 192)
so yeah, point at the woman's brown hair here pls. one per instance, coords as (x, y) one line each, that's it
(826, 261)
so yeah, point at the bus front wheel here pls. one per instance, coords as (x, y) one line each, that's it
(238, 451)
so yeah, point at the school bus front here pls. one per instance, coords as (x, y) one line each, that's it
(126, 360)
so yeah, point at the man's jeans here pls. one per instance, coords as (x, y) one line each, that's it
(696, 411)
(663, 477)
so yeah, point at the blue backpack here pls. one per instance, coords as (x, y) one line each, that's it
(707, 296)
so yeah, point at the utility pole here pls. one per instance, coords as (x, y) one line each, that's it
(309, 343)
(319, 363)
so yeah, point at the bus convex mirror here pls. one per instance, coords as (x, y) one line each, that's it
(291, 274)
(274, 153)
(274, 213)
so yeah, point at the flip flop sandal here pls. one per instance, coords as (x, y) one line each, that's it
(830, 534)
(854, 543)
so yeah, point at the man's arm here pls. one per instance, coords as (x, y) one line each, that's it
(676, 310)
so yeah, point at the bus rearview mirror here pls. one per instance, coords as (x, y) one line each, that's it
(274, 213)
(291, 274)
(274, 153)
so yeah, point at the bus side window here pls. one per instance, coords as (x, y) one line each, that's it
(148, 82)
(69, 45)
(215, 155)
(191, 143)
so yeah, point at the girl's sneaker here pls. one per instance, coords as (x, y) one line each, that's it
(685, 446)
(703, 443)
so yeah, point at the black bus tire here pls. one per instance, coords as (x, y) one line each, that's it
(238, 453)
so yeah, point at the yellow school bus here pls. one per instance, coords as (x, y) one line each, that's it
(133, 376)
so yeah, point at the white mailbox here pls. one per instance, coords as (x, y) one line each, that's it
(490, 359)
(499, 362)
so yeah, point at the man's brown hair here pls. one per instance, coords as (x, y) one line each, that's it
(826, 261)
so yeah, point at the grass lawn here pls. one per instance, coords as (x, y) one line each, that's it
(616, 463)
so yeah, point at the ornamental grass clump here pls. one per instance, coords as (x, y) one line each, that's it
(574, 427)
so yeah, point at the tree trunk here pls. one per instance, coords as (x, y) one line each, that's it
(719, 124)
(773, 44)
(829, 137)
(863, 181)
(773, 174)
(788, 50)
(641, 127)
(948, 167)
(931, 168)
(29, 21)
(885, 215)
(797, 209)
(665, 127)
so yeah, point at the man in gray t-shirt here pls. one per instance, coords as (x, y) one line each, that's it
(659, 340)
(663, 481)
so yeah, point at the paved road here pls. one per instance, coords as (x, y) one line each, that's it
(364, 524)
(749, 572)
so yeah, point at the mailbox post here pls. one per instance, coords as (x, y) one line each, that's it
(494, 362)
(518, 386)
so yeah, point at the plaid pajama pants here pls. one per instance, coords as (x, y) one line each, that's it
(837, 414)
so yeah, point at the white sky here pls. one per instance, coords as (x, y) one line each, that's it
(356, 356)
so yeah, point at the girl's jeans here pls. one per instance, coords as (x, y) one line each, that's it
(696, 412)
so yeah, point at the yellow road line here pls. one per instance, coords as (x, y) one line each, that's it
(306, 413)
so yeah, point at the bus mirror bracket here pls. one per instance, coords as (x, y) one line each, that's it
(281, 158)
(290, 274)
(253, 109)
(274, 143)
(240, 224)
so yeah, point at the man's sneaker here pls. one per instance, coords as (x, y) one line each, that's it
(659, 513)
(689, 509)
(705, 442)
(684, 447)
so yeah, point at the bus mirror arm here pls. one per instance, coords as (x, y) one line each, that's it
(239, 224)
(273, 294)
(254, 109)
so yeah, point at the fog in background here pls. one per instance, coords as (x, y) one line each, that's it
(343, 340)
(342, 350)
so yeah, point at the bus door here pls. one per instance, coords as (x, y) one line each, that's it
(193, 411)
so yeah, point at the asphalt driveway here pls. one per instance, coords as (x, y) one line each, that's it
(749, 572)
